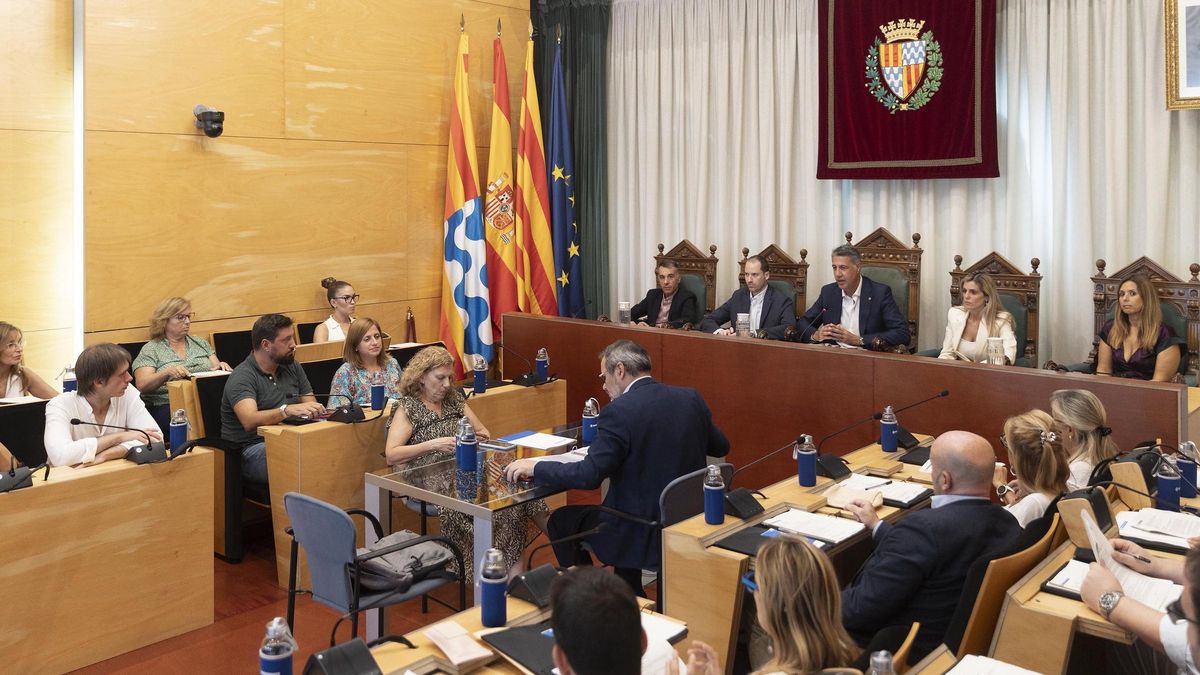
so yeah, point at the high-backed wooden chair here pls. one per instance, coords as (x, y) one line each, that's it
(787, 275)
(886, 260)
(697, 272)
(1020, 294)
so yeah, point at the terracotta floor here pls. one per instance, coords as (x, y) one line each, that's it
(247, 597)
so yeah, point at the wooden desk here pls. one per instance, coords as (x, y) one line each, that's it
(103, 560)
(327, 460)
(690, 561)
(937, 662)
(764, 392)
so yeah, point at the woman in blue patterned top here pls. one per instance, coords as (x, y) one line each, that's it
(366, 363)
(171, 354)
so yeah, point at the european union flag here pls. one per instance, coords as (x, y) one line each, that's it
(561, 169)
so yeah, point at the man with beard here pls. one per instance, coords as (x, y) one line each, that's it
(651, 434)
(264, 389)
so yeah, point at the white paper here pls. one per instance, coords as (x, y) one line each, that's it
(1181, 525)
(575, 455)
(19, 399)
(1128, 526)
(818, 526)
(456, 643)
(1070, 577)
(900, 491)
(542, 441)
(210, 373)
(860, 481)
(927, 467)
(972, 664)
(1154, 593)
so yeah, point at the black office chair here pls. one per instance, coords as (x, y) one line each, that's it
(232, 347)
(320, 376)
(305, 332)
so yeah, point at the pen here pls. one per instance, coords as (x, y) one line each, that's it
(1142, 558)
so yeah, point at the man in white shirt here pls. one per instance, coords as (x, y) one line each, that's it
(104, 397)
(854, 311)
(770, 311)
(1176, 632)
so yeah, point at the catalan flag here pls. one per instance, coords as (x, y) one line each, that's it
(568, 267)
(535, 258)
(466, 327)
(499, 211)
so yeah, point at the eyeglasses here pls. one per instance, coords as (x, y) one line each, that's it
(1175, 612)
(347, 298)
(190, 316)
(749, 583)
(1004, 441)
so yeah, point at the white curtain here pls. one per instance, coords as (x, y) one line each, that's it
(713, 138)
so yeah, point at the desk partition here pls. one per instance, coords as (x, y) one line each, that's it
(764, 393)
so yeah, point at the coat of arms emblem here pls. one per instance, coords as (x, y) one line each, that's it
(904, 70)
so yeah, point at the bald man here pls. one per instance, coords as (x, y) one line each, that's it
(919, 565)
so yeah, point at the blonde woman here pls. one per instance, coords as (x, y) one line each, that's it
(1082, 425)
(421, 432)
(969, 325)
(171, 354)
(15, 379)
(366, 363)
(1037, 463)
(343, 301)
(800, 609)
(1136, 343)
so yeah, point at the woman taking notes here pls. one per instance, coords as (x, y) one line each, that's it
(343, 300)
(366, 364)
(969, 325)
(1135, 342)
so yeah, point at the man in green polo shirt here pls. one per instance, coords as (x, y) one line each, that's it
(264, 389)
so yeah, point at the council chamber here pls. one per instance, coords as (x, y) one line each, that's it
(600, 336)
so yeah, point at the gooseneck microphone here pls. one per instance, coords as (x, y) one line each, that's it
(151, 453)
(529, 378)
(843, 430)
(819, 317)
(562, 540)
(941, 394)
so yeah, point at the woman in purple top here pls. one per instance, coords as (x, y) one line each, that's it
(1136, 342)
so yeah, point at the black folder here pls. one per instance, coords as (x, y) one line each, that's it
(527, 645)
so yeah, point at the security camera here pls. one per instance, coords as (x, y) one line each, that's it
(211, 120)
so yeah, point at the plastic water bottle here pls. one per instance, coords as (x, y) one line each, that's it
(889, 428)
(275, 655)
(714, 496)
(466, 446)
(881, 663)
(742, 325)
(995, 351)
(623, 313)
(805, 454)
(179, 430)
(69, 383)
(480, 374)
(591, 420)
(493, 577)
(542, 363)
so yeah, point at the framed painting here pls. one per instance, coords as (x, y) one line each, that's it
(1182, 33)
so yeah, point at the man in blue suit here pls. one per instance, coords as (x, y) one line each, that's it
(854, 310)
(649, 435)
(770, 311)
(920, 564)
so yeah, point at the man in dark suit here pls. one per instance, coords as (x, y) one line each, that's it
(769, 310)
(854, 310)
(679, 304)
(648, 436)
(920, 564)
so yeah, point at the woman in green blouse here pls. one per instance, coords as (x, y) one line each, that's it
(171, 354)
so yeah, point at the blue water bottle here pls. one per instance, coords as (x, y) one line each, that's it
(888, 430)
(1168, 481)
(178, 430)
(480, 369)
(493, 576)
(591, 420)
(543, 365)
(714, 496)
(377, 391)
(1186, 463)
(466, 446)
(275, 655)
(69, 383)
(805, 454)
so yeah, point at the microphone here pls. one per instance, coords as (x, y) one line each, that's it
(529, 378)
(18, 477)
(765, 457)
(875, 416)
(819, 317)
(533, 586)
(151, 453)
(941, 394)
(904, 438)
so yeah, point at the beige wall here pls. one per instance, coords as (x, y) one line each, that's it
(35, 178)
(332, 162)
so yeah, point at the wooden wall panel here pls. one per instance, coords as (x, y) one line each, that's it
(36, 62)
(380, 71)
(149, 63)
(47, 351)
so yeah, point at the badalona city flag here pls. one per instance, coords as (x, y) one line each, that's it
(466, 327)
(907, 89)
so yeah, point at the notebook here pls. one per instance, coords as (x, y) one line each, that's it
(829, 529)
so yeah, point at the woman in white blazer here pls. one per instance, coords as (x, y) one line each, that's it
(969, 325)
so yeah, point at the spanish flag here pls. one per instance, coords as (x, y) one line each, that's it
(466, 326)
(535, 264)
(499, 210)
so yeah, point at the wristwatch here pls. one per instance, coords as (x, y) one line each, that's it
(1108, 602)
(283, 409)
(1002, 489)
